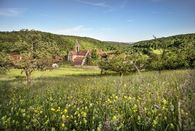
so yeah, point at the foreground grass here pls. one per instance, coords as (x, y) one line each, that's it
(150, 101)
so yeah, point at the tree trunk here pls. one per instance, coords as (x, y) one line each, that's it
(136, 68)
(101, 72)
(28, 76)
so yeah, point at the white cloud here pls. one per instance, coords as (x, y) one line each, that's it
(97, 4)
(101, 33)
(10, 11)
(76, 30)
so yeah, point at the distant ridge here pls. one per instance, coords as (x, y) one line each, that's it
(170, 40)
(64, 42)
(67, 42)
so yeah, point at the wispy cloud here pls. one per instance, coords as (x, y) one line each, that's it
(76, 30)
(10, 11)
(82, 30)
(156, 0)
(97, 4)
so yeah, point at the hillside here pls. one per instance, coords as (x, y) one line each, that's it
(171, 41)
(174, 52)
(64, 42)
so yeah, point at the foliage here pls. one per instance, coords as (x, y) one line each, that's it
(173, 52)
(124, 62)
(94, 58)
(64, 43)
(4, 62)
(35, 55)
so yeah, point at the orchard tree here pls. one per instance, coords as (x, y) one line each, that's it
(157, 61)
(35, 55)
(4, 62)
(137, 60)
(120, 64)
(125, 63)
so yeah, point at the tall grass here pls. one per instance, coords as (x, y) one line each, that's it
(150, 101)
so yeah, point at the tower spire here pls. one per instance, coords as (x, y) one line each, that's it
(77, 46)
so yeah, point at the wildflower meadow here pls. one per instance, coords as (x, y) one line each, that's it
(147, 101)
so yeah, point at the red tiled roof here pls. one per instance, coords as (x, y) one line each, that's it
(82, 52)
(78, 61)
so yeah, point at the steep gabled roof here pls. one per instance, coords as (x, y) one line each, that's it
(82, 52)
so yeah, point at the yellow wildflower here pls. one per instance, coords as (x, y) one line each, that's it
(63, 117)
(84, 114)
(65, 110)
(116, 97)
(164, 101)
(129, 98)
(52, 109)
(58, 109)
(114, 118)
(62, 125)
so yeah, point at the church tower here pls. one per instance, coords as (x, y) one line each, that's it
(77, 46)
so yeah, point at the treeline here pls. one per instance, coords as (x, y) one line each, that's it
(175, 52)
(8, 40)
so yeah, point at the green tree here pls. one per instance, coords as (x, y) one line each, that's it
(93, 60)
(125, 62)
(35, 55)
(4, 62)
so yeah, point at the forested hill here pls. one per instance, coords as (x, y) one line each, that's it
(174, 52)
(9, 40)
(171, 42)
(64, 42)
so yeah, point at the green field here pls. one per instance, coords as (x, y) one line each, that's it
(80, 99)
(60, 72)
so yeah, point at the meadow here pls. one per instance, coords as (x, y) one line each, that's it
(81, 99)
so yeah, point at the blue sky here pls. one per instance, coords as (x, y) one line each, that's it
(113, 20)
